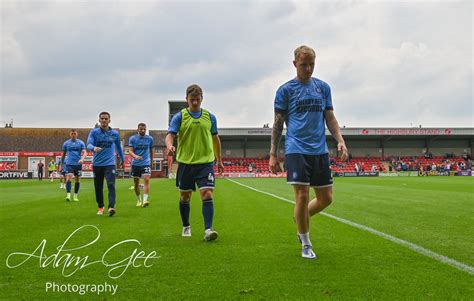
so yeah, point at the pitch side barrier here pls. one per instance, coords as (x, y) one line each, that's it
(241, 175)
(465, 173)
(343, 174)
(251, 175)
(461, 173)
(357, 174)
(15, 174)
(404, 174)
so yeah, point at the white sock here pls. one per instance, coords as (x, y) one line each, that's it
(207, 230)
(305, 239)
(68, 195)
(139, 198)
(145, 197)
(75, 195)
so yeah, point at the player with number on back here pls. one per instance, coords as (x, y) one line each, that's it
(141, 150)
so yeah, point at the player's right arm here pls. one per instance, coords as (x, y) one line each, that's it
(173, 130)
(91, 143)
(277, 132)
(169, 144)
(132, 153)
(131, 144)
(281, 109)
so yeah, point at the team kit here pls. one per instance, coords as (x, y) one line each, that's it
(303, 103)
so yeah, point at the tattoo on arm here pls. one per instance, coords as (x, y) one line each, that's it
(277, 132)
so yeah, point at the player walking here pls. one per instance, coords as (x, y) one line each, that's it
(198, 146)
(75, 149)
(141, 150)
(305, 105)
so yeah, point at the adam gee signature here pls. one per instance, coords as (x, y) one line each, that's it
(70, 264)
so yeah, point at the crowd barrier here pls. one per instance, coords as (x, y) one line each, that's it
(21, 174)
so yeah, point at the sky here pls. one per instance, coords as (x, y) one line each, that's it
(388, 63)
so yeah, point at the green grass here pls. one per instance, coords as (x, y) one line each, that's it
(257, 255)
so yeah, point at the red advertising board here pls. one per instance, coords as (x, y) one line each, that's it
(30, 154)
(127, 165)
(8, 162)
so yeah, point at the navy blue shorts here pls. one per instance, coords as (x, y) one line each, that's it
(312, 170)
(76, 170)
(138, 171)
(191, 174)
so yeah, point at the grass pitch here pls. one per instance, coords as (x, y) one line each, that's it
(257, 255)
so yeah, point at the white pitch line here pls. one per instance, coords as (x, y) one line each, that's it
(441, 258)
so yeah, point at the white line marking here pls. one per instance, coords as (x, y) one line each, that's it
(441, 258)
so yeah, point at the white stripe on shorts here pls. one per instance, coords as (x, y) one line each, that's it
(298, 183)
(323, 186)
(206, 187)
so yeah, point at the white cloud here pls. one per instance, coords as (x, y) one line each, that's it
(388, 63)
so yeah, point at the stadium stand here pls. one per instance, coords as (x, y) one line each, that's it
(243, 165)
(413, 163)
(365, 164)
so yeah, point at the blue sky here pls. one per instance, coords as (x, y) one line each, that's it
(389, 64)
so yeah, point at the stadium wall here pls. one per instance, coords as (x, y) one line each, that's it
(232, 149)
(46, 143)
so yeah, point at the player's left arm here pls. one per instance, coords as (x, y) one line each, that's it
(119, 150)
(333, 127)
(63, 157)
(216, 142)
(132, 153)
(152, 145)
(83, 155)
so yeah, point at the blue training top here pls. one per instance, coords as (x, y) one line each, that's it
(73, 148)
(175, 123)
(106, 140)
(304, 105)
(141, 147)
